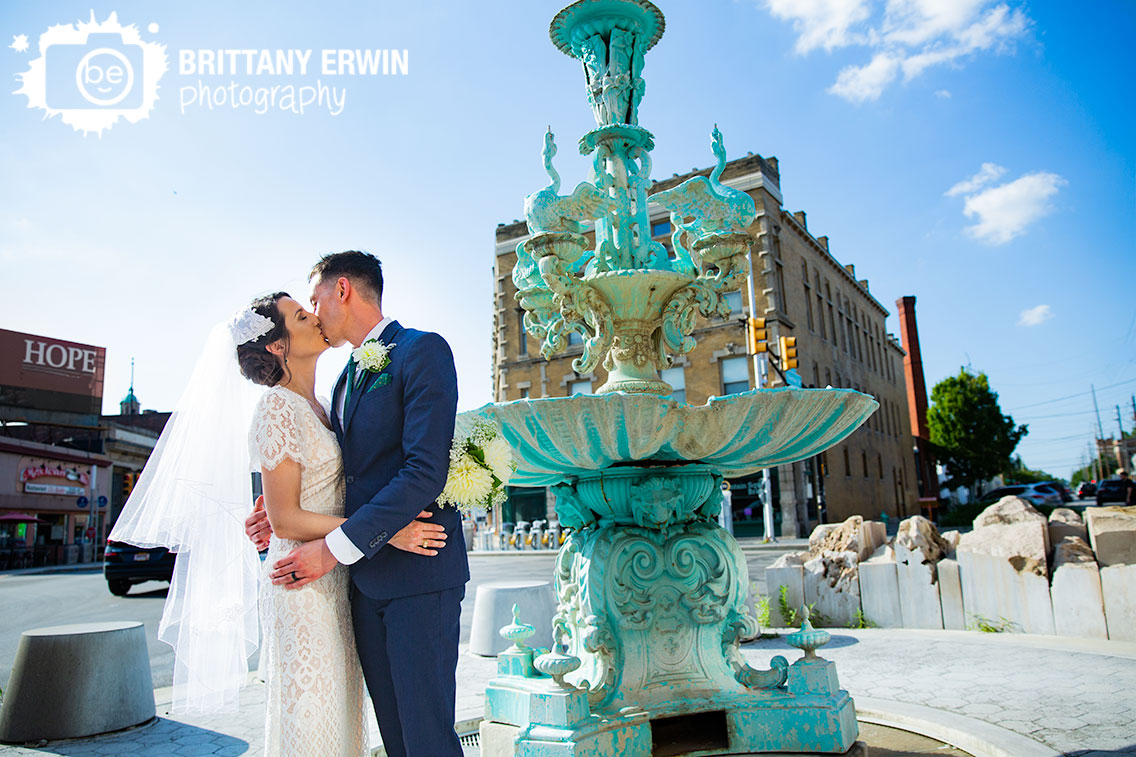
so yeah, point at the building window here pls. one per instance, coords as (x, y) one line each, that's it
(864, 460)
(735, 375)
(880, 463)
(659, 228)
(525, 393)
(820, 312)
(580, 387)
(734, 300)
(828, 377)
(847, 465)
(816, 375)
(832, 324)
(809, 306)
(522, 339)
(676, 377)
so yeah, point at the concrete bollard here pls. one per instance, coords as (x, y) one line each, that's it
(493, 609)
(77, 680)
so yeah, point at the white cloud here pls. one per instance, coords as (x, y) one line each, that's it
(908, 36)
(1035, 316)
(945, 94)
(1003, 212)
(988, 173)
(821, 23)
(860, 83)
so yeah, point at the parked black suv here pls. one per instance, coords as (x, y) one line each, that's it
(1110, 490)
(125, 565)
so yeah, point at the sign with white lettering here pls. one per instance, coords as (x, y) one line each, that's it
(43, 476)
(44, 373)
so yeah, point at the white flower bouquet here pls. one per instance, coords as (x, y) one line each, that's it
(481, 464)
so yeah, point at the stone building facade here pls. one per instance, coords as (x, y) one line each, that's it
(801, 291)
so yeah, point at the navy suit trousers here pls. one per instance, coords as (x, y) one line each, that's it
(408, 647)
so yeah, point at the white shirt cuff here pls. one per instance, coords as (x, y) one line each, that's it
(341, 547)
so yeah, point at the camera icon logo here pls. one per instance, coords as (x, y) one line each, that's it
(103, 73)
(93, 73)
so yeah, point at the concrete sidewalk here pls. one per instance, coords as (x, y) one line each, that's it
(993, 694)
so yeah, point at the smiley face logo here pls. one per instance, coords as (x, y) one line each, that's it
(104, 76)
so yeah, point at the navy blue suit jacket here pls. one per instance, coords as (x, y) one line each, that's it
(395, 438)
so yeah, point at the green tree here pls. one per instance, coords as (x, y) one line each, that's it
(1020, 474)
(974, 438)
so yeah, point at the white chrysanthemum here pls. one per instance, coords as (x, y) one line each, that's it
(372, 356)
(468, 483)
(499, 458)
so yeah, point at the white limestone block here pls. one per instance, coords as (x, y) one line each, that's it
(1118, 587)
(1004, 574)
(1065, 522)
(950, 594)
(787, 571)
(873, 536)
(1112, 534)
(1078, 606)
(832, 584)
(919, 602)
(1010, 510)
(879, 593)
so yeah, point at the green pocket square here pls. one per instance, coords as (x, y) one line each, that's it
(382, 380)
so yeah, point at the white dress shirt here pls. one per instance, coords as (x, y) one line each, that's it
(337, 542)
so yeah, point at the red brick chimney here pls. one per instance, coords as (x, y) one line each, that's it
(913, 367)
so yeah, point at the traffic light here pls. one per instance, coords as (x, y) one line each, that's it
(757, 336)
(128, 480)
(788, 352)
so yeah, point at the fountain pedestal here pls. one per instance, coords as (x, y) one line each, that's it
(647, 638)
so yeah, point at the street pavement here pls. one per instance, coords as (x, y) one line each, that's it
(1026, 695)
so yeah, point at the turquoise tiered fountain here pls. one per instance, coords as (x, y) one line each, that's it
(652, 591)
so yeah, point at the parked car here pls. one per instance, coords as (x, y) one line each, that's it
(1110, 490)
(125, 565)
(1035, 494)
(1086, 489)
(1056, 486)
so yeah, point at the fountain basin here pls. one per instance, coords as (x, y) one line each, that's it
(556, 440)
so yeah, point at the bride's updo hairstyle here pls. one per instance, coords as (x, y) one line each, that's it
(258, 364)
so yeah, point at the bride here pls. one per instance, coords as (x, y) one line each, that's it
(192, 498)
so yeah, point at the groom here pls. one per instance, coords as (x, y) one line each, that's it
(395, 426)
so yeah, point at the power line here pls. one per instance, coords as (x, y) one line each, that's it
(1072, 396)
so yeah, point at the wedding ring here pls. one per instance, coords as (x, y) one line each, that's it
(295, 578)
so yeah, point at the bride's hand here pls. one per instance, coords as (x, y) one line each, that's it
(308, 562)
(257, 526)
(420, 538)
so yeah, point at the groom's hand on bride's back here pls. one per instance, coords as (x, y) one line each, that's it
(257, 527)
(420, 537)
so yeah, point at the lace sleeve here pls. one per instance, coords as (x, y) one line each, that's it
(275, 432)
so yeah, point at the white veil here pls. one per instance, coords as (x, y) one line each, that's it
(192, 498)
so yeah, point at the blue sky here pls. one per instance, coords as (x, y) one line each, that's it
(979, 155)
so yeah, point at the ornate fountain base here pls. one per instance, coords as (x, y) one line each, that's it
(647, 635)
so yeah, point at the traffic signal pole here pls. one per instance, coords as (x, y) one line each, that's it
(755, 328)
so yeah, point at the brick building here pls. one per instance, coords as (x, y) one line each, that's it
(802, 291)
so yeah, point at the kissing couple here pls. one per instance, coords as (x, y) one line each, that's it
(365, 573)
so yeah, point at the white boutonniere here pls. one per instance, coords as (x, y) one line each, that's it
(373, 356)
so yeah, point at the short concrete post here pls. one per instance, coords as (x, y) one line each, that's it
(493, 608)
(77, 680)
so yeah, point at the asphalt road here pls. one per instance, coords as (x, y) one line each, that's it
(35, 601)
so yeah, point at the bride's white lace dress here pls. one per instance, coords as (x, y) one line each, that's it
(314, 683)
